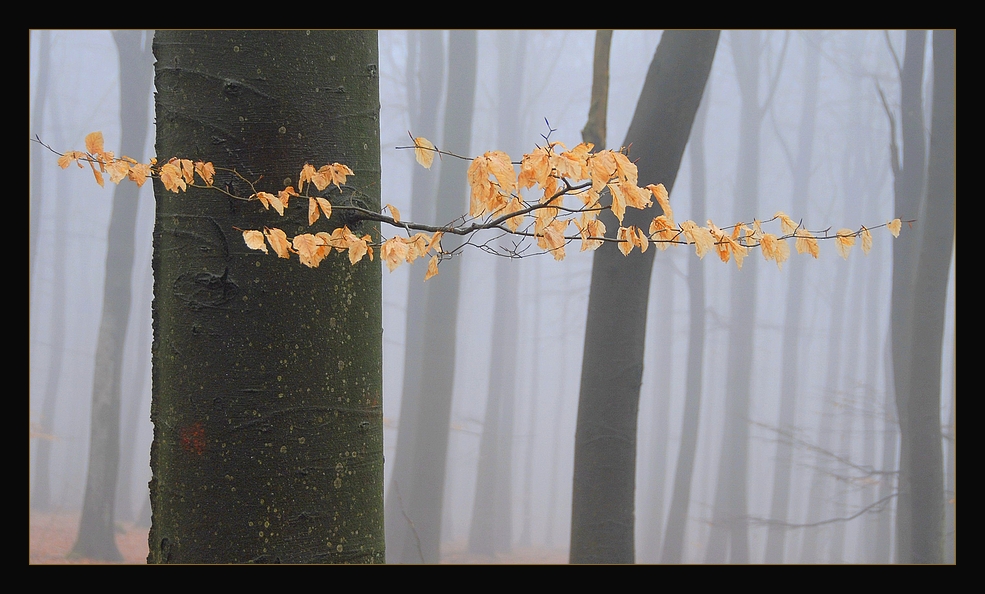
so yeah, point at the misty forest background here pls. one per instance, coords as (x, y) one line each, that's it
(828, 164)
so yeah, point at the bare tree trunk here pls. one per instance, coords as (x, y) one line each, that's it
(801, 169)
(492, 516)
(674, 538)
(426, 49)
(96, 537)
(604, 484)
(922, 425)
(419, 539)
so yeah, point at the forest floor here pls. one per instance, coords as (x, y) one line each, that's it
(52, 537)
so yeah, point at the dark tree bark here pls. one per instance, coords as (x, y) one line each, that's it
(96, 537)
(418, 539)
(267, 375)
(673, 546)
(603, 509)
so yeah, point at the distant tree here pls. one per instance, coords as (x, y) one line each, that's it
(603, 506)
(96, 538)
(418, 536)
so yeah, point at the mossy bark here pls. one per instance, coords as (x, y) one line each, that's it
(267, 375)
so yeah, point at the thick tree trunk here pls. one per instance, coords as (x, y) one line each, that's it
(267, 375)
(96, 537)
(603, 507)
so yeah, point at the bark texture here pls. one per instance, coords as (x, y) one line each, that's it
(267, 375)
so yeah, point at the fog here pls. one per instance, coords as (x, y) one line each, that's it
(845, 409)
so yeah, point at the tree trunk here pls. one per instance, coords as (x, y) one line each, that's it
(909, 191)
(267, 375)
(673, 546)
(922, 425)
(776, 536)
(96, 537)
(427, 50)
(491, 531)
(603, 515)
(420, 534)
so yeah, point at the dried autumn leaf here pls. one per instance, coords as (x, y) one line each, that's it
(702, 238)
(844, 241)
(139, 173)
(424, 151)
(663, 199)
(786, 223)
(893, 225)
(254, 241)
(774, 249)
(66, 159)
(554, 238)
(308, 249)
(306, 175)
(171, 178)
(806, 243)
(278, 240)
(535, 168)
(590, 230)
(866, 241)
(206, 171)
(94, 143)
(514, 205)
(394, 252)
(268, 200)
(394, 212)
(625, 237)
(118, 170)
(432, 268)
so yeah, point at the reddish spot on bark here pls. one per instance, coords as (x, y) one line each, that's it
(193, 438)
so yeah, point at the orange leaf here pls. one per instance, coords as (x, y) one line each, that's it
(844, 242)
(893, 225)
(278, 241)
(432, 268)
(254, 241)
(424, 151)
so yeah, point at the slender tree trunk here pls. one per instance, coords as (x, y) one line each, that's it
(922, 426)
(96, 537)
(419, 540)
(603, 507)
(491, 531)
(267, 375)
(673, 545)
(728, 539)
(909, 191)
(427, 50)
(37, 124)
(776, 536)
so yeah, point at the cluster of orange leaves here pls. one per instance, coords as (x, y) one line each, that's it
(552, 170)
(583, 174)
